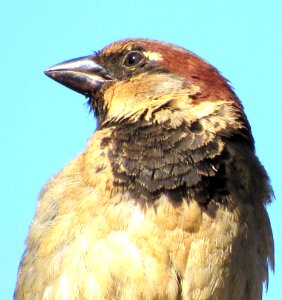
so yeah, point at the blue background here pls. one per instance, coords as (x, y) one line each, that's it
(43, 125)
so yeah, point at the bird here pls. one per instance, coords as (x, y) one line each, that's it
(167, 201)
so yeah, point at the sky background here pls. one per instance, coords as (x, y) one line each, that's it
(43, 125)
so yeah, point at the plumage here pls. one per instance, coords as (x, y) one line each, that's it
(168, 199)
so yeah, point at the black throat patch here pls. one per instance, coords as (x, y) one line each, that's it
(149, 160)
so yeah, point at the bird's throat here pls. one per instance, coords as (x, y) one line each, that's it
(156, 159)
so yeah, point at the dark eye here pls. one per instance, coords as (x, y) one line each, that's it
(133, 58)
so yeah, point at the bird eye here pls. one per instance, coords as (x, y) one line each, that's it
(133, 58)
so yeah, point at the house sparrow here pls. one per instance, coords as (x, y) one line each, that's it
(168, 199)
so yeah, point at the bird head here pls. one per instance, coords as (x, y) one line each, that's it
(139, 79)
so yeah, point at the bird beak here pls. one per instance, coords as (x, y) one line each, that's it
(82, 74)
